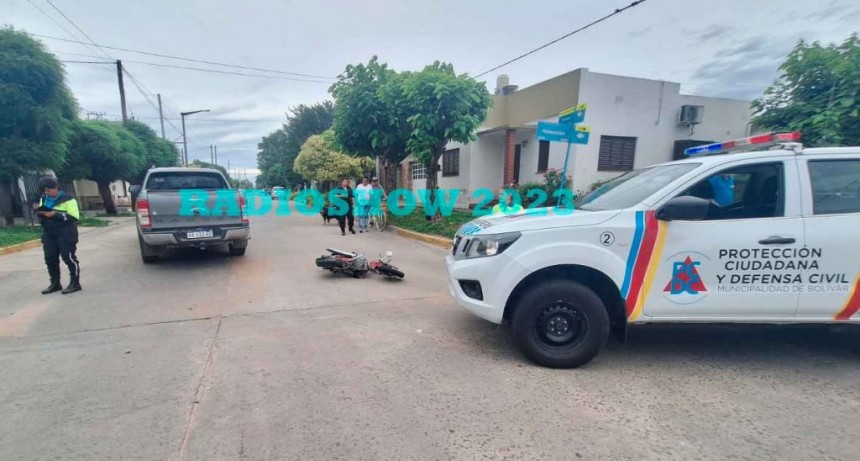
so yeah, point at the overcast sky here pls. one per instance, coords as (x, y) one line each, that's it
(726, 48)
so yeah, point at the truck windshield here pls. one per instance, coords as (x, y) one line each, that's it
(182, 180)
(632, 188)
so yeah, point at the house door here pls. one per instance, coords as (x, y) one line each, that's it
(517, 151)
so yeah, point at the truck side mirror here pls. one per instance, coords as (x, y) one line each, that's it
(685, 208)
(134, 189)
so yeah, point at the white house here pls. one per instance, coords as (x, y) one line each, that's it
(634, 123)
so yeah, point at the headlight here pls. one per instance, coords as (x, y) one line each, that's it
(490, 245)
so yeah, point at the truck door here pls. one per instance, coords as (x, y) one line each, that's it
(741, 261)
(831, 192)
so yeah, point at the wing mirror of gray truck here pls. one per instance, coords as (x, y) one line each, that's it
(135, 189)
(686, 208)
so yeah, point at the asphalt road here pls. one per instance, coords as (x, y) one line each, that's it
(207, 356)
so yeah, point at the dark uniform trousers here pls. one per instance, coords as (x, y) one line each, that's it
(61, 243)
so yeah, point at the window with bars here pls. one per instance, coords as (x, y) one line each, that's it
(419, 171)
(616, 153)
(451, 162)
(543, 156)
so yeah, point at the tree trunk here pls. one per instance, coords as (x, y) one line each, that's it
(6, 217)
(433, 179)
(107, 197)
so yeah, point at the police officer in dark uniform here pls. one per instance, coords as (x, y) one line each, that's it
(58, 213)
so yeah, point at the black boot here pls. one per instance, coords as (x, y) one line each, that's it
(53, 287)
(74, 286)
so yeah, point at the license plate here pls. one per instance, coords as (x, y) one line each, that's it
(199, 234)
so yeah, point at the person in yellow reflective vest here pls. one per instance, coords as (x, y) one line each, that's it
(506, 203)
(58, 213)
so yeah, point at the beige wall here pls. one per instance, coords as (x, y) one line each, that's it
(540, 101)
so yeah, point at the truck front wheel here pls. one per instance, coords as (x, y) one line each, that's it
(560, 324)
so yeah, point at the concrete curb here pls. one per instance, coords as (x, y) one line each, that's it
(38, 242)
(426, 238)
(20, 247)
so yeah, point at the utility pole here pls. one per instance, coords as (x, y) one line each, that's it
(161, 115)
(211, 155)
(121, 89)
(184, 139)
(184, 144)
(216, 154)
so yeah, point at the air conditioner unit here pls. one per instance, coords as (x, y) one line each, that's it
(691, 115)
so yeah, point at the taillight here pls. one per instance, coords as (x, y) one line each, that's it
(143, 213)
(245, 219)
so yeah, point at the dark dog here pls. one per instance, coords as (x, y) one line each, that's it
(326, 215)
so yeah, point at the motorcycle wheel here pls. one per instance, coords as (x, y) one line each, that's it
(390, 271)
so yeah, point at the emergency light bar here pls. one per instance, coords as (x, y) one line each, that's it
(762, 140)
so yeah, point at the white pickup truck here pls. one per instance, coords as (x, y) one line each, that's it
(764, 236)
(163, 224)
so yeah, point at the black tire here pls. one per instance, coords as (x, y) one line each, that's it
(238, 249)
(560, 324)
(390, 271)
(148, 253)
(330, 263)
(359, 274)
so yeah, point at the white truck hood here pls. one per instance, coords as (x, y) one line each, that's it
(534, 220)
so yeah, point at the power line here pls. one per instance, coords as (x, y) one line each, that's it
(105, 60)
(617, 11)
(214, 71)
(198, 69)
(202, 61)
(78, 28)
(88, 62)
(220, 120)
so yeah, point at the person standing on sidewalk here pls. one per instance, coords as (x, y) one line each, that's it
(347, 194)
(58, 213)
(363, 194)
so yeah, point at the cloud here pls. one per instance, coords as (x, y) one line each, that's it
(639, 33)
(751, 48)
(833, 9)
(239, 138)
(712, 32)
(742, 71)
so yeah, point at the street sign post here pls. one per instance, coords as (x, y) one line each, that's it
(554, 132)
(573, 115)
(566, 130)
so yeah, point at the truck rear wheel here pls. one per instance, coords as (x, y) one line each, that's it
(560, 324)
(238, 248)
(148, 253)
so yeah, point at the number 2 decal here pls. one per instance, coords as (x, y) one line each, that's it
(537, 197)
(607, 238)
(481, 208)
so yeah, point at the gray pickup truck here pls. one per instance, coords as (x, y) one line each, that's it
(163, 224)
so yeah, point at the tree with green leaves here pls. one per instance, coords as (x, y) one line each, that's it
(103, 152)
(36, 112)
(444, 107)
(201, 164)
(366, 122)
(159, 152)
(278, 150)
(817, 94)
(319, 160)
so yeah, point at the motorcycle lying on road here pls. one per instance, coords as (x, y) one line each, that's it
(357, 265)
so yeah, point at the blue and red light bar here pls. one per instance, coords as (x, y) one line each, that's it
(762, 140)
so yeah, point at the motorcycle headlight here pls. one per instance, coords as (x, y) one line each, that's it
(490, 245)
